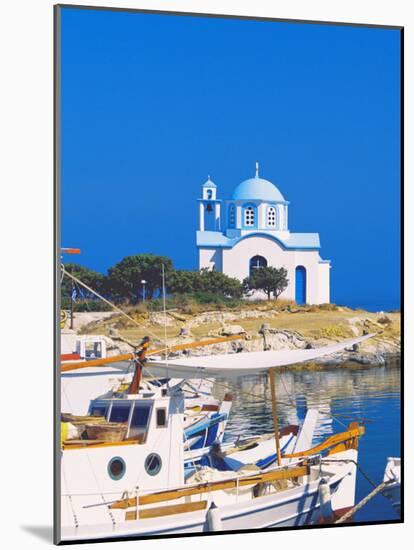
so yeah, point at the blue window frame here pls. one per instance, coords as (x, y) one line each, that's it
(232, 216)
(120, 412)
(139, 420)
(249, 216)
(271, 217)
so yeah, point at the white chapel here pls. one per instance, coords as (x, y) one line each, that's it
(251, 231)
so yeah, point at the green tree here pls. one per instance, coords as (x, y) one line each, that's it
(218, 283)
(124, 278)
(205, 281)
(91, 278)
(268, 279)
(181, 281)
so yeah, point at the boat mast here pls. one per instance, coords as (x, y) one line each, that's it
(164, 307)
(275, 414)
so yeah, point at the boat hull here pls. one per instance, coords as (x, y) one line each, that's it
(294, 507)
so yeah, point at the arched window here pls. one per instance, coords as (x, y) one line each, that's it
(256, 262)
(232, 215)
(249, 216)
(271, 216)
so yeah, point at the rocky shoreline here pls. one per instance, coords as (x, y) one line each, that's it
(261, 329)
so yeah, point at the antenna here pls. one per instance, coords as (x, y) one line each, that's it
(257, 169)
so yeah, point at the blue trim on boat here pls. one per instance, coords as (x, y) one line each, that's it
(265, 462)
(202, 426)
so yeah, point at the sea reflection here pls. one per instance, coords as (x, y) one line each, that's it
(342, 395)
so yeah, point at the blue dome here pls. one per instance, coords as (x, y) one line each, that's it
(257, 189)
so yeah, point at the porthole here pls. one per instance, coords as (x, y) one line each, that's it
(153, 464)
(116, 468)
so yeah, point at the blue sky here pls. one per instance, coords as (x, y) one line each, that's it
(152, 104)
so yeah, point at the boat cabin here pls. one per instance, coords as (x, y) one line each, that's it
(136, 414)
(148, 453)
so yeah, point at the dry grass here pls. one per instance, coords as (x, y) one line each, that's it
(314, 322)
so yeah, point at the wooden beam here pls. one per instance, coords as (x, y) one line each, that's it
(74, 444)
(197, 344)
(175, 494)
(275, 415)
(333, 440)
(96, 362)
(160, 511)
(65, 367)
(70, 250)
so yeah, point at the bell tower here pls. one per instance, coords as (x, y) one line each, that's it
(209, 207)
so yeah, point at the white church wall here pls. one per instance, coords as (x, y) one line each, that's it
(324, 282)
(261, 216)
(235, 263)
(239, 214)
(217, 216)
(280, 217)
(210, 258)
(201, 216)
(310, 261)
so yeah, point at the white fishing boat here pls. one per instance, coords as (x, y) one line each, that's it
(205, 417)
(136, 486)
(85, 377)
(392, 476)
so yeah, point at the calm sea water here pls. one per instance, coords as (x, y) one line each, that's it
(370, 396)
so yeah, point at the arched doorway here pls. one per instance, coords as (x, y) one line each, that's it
(300, 285)
(256, 263)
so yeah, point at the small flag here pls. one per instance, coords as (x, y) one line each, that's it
(74, 294)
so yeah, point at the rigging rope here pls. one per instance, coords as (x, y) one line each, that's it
(362, 503)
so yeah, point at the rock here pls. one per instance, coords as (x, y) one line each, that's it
(354, 330)
(161, 319)
(185, 332)
(231, 330)
(384, 319)
(213, 317)
(274, 338)
(264, 328)
(113, 332)
(355, 324)
(82, 319)
(177, 316)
